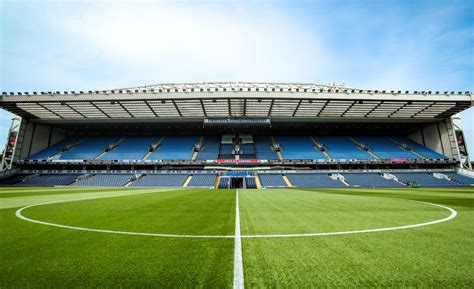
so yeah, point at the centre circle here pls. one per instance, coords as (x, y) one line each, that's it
(211, 215)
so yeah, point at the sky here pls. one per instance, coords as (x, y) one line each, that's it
(374, 44)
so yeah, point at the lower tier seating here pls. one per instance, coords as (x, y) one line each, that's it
(460, 179)
(250, 183)
(104, 180)
(207, 179)
(313, 180)
(369, 180)
(161, 180)
(224, 183)
(48, 180)
(423, 179)
(272, 180)
(202, 180)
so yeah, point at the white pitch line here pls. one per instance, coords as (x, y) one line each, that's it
(238, 262)
(452, 216)
(19, 214)
(238, 237)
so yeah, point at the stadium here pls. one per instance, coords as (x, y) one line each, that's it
(233, 184)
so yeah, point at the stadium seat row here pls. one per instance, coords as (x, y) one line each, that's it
(266, 179)
(259, 147)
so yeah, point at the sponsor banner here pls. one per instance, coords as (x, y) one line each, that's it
(399, 160)
(238, 161)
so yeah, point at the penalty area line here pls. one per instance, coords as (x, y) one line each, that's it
(238, 261)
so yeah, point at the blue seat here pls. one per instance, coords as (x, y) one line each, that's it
(369, 180)
(54, 149)
(343, 148)
(271, 180)
(210, 149)
(225, 151)
(175, 148)
(423, 179)
(424, 151)
(248, 150)
(263, 148)
(202, 180)
(464, 180)
(131, 148)
(313, 180)
(224, 183)
(49, 180)
(250, 183)
(384, 148)
(89, 149)
(299, 148)
(160, 180)
(104, 180)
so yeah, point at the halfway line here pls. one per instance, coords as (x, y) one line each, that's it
(238, 262)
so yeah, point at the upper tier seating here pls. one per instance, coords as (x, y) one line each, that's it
(424, 179)
(263, 148)
(424, 151)
(54, 149)
(299, 148)
(104, 180)
(89, 149)
(175, 148)
(215, 147)
(313, 180)
(385, 148)
(225, 151)
(131, 148)
(210, 148)
(272, 180)
(343, 148)
(161, 180)
(247, 147)
(465, 180)
(248, 151)
(48, 180)
(369, 180)
(202, 180)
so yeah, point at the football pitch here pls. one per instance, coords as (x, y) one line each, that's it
(273, 238)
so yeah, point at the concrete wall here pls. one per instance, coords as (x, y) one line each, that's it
(432, 138)
(28, 128)
(57, 135)
(439, 137)
(34, 137)
(40, 138)
(417, 136)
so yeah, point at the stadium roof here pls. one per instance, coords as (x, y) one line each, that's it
(235, 99)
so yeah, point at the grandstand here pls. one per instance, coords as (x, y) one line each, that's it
(235, 135)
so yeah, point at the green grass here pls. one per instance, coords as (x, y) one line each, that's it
(38, 256)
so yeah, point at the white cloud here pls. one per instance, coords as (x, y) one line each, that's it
(116, 44)
(201, 43)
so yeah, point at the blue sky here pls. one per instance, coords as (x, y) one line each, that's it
(74, 45)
